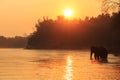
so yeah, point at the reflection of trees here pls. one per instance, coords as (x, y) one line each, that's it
(75, 34)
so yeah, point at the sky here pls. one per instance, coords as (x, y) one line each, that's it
(18, 17)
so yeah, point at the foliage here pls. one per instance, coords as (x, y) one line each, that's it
(110, 6)
(103, 30)
(13, 42)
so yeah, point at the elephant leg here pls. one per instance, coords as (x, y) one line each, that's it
(106, 56)
(99, 58)
(96, 57)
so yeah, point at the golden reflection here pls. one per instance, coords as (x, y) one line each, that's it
(68, 75)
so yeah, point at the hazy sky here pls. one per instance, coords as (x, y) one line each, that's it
(18, 17)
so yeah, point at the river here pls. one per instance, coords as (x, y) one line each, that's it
(21, 64)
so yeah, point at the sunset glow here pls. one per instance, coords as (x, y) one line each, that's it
(68, 13)
(18, 17)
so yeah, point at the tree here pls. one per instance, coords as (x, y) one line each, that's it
(110, 6)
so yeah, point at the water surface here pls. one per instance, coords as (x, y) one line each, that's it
(20, 64)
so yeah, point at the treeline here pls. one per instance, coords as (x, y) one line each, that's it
(13, 42)
(103, 30)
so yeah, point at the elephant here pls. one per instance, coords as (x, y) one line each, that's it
(100, 53)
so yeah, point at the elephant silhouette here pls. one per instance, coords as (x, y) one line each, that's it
(100, 53)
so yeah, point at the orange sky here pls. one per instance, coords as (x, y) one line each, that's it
(18, 17)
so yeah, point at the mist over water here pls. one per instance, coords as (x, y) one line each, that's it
(20, 64)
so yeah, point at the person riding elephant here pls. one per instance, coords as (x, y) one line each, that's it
(100, 53)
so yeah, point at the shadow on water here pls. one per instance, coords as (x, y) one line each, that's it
(49, 61)
(99, 62)
(112, 63)
(42, 60)
(117, 64)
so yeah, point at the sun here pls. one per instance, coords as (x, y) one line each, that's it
(68, 13)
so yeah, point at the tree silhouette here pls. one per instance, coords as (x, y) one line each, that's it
(108, 5)
(61, 33)
(13, 42)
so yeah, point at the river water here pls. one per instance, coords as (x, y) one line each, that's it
(20, 64)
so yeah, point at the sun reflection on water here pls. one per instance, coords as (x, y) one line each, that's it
(68, 75)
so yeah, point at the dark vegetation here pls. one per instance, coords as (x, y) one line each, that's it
(103, 30)
(13, 42)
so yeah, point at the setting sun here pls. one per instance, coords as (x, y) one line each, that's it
(68, 13)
